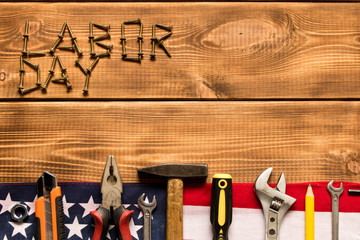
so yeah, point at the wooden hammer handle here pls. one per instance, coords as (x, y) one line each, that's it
(174, 214)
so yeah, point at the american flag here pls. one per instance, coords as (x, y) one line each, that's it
(78, 200)
(248, 221)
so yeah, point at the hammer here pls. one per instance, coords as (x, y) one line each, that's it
(175, 174)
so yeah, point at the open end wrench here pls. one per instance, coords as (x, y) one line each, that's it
(147, 209)
(335, 195)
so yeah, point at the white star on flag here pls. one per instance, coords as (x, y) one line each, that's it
(7, 204)
(75, 228)
(126, 206)
(31, 206)
(5, 238)
(67, 206)
(134, 228)
(89, 206)
(108, 233)
(19, 227)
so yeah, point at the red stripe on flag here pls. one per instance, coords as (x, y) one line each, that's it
(244, 196)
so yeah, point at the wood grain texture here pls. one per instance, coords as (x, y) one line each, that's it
(220, 50)
(340, 1)
(308, 141)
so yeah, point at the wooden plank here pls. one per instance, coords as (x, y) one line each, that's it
(341, 1)
(308, 141)
(220, 50)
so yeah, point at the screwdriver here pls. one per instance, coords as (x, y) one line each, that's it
(49, 214)
(221, 205)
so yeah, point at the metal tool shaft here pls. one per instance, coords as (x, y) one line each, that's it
(147, 209)
(335, 194)
(147, 224)
(335, 216)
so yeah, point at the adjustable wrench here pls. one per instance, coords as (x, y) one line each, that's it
(275, 203)
(335, 195)
(147, 209)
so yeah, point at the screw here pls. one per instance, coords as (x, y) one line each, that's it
(165, 49)
(25, 45)
(59, 79)
(53, 64)
(92, 66)
(92, 53)
(66, 48)
(38, 77)
(140, 53)
(24, 91)
(141, 30)
(26, 28)
(77, 63)
(105, 36)
(21, 80)
(107, 28)
(26, 36)
(164, 37)
(168, 28)
(33, 66)
(76, 46)
(86, 87)
(109, 47)
(91, 28)
(153, 39)
(63, 69)
(22, 64)
(140, 39)
(123, 49)
(63, 30)
(133, 59)
(35, 54)
(136, 21)
(122, 32)
(70, 32)
(47, 81)
(68, 85)
(105, 54)
(56, 44)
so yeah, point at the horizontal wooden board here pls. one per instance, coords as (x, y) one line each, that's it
(219, 50)
(340, 1)
(308, 141)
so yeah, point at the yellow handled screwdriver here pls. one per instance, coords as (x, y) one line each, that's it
(221, 205)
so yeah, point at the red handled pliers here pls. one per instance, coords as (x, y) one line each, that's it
(111, 206)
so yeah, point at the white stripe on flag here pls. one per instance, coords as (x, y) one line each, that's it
(249, 224)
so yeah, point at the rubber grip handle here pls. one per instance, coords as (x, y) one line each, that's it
(121, 220)
(40, 219)
(101, 217)
(221, 206)
(58, 218)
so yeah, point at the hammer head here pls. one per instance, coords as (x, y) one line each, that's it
(176, 170)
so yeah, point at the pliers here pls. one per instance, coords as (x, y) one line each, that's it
(111, 206)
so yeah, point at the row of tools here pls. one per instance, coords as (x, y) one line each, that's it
(274, 201)
(64, 79)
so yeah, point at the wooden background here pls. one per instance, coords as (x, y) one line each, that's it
(289, 73)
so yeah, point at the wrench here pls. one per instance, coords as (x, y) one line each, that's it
(274, 201)
(335, 195)
(147, 209)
